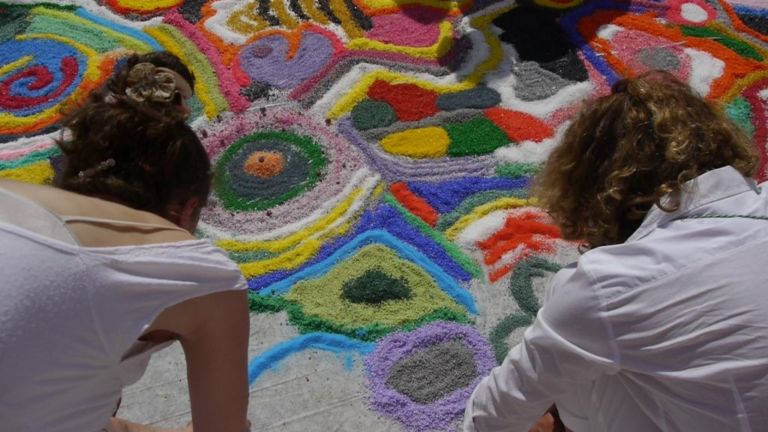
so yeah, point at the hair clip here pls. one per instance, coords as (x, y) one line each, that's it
(110, 98)
(157, 84)
(102, 166)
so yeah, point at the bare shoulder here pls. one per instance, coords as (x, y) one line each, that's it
(68, 204)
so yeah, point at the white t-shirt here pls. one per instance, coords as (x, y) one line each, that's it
(70, 317)
(665, 332)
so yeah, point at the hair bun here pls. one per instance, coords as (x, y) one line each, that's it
(146, 82)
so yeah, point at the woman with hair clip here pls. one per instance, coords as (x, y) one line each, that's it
(662, 324)
(103, 270)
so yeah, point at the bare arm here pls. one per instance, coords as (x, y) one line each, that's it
(217, 365)
(213, 331)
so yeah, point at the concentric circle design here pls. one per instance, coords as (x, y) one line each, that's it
(277, 172)
(265, 169)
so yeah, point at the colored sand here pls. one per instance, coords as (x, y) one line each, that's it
(373, 160)
(478, 97)
(428, 375)
(374, 287)
(370, 114)
(475, 137)
(322, 297)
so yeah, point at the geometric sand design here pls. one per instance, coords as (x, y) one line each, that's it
(373, 160)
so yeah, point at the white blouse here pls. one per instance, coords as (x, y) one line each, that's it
(70, 317)
(665, 332)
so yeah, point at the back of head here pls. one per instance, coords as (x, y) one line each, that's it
(626, 151)
(138, 152)
(132, 72)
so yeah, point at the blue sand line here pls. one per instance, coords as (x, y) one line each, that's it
(445, 196)
(569, 23)
(410, 233)
(444, 281)
(384, 217)
(136, 34)
(750, 10)
(260, 283)
(321, 341)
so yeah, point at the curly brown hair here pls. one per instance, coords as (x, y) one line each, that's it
(142, 155)
(626, 151)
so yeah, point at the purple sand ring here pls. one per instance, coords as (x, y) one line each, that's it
(441, 413)
(266, 59)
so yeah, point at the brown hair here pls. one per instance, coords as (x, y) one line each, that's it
(142, 155)
(624, 152)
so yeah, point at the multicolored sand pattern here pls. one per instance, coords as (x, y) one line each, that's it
(373, 158)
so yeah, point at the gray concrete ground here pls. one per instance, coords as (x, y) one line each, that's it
(311, 391)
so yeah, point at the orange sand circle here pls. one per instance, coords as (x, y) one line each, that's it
(264, 164)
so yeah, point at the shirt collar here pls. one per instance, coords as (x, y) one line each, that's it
(705, 189)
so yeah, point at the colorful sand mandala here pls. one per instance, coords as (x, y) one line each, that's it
(373, 159)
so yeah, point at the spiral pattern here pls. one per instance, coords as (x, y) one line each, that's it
(37, 75)
(36, 84)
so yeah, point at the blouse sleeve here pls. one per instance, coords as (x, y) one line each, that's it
(133, 285)
(569, 344)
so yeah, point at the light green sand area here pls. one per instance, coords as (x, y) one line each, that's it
(324, 296)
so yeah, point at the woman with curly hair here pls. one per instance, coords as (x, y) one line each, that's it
(103, 270)
(662, 324)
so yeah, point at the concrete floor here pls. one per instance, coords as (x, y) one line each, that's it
(311, 391)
